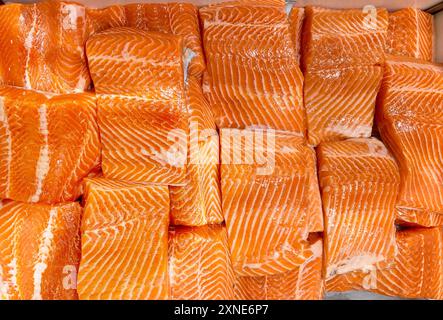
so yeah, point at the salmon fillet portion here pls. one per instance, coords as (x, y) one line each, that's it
(180, 19)
(410, 120)
(303, 283)
(260, 171)
(411, 34)
(199, 264)
(416, 273)
(43, 46)
(198, 202)
(343, 38)
(342, 54)
(253, 78)
(124, 241)
(340, 103)
(142, 112)
(359, 181)
(39, 250)
(48, 144)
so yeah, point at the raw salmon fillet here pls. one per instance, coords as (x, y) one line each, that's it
(253, 78)
(180, 19)
(411, 34)
(198, 202)
(199, 264)
(43, 46)
(48, 144)
(359, 181)
(410, 121)
(266, 191)
(416, 273)
(342, 53)
(39, 250)
(124, 241)
(343, 38)
(303, 283)
(142, 112)
(296, 18)
(340, 103)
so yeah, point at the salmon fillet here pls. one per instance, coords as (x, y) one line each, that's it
(343, 38)
(39, 250)
(340, 103)
(296, 18)
(410, 121)
(124, 241)
(260, 171)
(142, 113)
(199, 264)
(180, 19)
(48, 144)
(253, 78)
(411, 34)
(198, 202)
(342, 53)
(43, 46)
(416, 273)
(303, 283)
(359, 181)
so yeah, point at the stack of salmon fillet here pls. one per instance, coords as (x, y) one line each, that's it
(244, 150)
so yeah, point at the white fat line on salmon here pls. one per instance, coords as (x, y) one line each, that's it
(43, 254)
(245, 25)
(28, 44)
(415, 65)
(4, 121)
(415, 89)
(43, 159)
(350, 34)
(417, 35)
(135, 98)
(126, 58)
